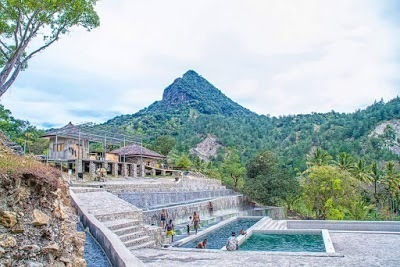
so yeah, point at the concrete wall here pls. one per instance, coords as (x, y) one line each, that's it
(116, 251)
(180, 213)
(382, 226)
(146, 200)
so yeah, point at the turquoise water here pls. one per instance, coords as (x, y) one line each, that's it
(289, 243)
(217, 238)
(93, 253)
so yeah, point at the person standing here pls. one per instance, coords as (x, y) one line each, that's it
(170, 230)
(163, 217)
(196, 221)
(188, 225)
(232, 243)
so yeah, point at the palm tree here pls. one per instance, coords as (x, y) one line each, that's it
(375, 175)
(360, 171)
(319, 158)
(344, 161)
(391, 179)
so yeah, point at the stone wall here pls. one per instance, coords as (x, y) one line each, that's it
(180, 213)
(148, 200)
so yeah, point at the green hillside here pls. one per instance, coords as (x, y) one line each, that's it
(192, 108)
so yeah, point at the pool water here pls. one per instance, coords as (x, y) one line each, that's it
(217, 238)
(284, 242)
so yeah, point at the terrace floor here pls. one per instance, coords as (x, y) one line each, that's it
(352, 249)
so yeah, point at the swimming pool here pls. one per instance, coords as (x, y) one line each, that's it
(284, 242)
(216, 238)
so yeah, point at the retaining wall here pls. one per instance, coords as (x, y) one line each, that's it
(116, 251)
(180, 213)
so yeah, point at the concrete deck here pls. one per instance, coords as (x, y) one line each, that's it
(352, 249)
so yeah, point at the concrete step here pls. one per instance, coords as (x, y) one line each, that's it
(123, 223)
(119, 216)
(132, 236)
(282, 225)
(128, 230)
(149, 244)
(78, 190)
(137, 241)
(266, 224)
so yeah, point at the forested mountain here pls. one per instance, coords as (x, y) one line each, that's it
(192, 109)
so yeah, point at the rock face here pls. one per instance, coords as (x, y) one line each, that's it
(37, 221)
(390, 132)
(206, 149)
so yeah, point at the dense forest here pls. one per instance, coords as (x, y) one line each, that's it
(351, 168)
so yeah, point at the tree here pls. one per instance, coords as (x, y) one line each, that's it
(233, 169)
(319, 158)
(183, 162)
(330, 192)
(164, 144)
(361, 172)
(268, 182)
(344, 161)
(375, 175)
(22, 22)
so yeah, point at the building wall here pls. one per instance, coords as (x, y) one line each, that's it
(67, 148)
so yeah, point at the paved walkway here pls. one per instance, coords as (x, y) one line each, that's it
(353, 249)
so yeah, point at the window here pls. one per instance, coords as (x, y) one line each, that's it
(58, 147)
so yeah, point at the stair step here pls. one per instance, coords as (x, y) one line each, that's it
(122, 223)
(149, 244)
(137, 241)
(128, 230)
(132, 236)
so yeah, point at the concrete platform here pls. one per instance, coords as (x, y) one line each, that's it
(352, 249)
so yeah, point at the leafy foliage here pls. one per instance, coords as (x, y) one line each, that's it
(23, 21)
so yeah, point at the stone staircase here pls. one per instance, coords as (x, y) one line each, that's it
(273, 225)
(131, 233)
(129, 228)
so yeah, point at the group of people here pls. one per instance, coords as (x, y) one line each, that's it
(169, 227)
(231, 243)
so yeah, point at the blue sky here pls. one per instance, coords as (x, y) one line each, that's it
(273, 57)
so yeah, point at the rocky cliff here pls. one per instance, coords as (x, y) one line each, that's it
(37, 222)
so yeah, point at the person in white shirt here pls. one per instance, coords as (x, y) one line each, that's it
(232, 243)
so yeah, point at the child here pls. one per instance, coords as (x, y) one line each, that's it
(188, 225)
(170, 230)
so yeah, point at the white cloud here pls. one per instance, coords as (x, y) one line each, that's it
(273, 57)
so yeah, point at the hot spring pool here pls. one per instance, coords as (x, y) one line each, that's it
(217, 238)
(284, 242)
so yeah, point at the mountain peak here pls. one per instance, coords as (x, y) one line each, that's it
(190, 74)
(193, 91)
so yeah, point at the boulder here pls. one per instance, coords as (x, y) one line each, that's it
(6, 241)
(53, 249)
(39, 218)
(8, 218)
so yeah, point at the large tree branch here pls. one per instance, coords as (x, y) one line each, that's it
(55, 38)
(28, 25)
(4, 53)
(4, 87)
(5, 45)
(17, 28)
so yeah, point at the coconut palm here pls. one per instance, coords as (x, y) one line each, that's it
(361, 172)
(344, 161)
(375, 175)
(319, 158)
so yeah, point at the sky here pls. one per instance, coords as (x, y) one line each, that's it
(275, 57)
